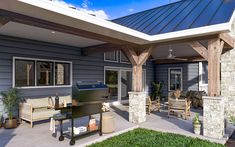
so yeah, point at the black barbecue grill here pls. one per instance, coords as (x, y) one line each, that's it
(89, 92)
(87, 99)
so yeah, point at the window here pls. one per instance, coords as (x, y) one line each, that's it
(111, 56)
(40, 73)
(175, 79)
(25, 73)
(62, 74)
(44, 73)
(123, 58)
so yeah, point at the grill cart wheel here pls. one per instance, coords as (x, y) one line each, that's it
(72, 142)
(61, 138)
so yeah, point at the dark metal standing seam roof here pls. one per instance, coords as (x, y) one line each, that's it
(181, 15)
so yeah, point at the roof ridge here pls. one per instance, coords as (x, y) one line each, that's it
(148, 10)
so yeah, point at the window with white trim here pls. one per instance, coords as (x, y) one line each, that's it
(30, 72)
(111, 56)
(123, 58)
(175, 79)
(25, 73)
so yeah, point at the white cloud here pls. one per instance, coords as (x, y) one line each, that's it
(86, 3)
(131, 10)
(85, 8)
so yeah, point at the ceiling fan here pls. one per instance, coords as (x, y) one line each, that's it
(170, 56)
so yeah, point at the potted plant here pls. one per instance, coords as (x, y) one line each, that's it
(197, 124)
(157, 90)
(10, 101)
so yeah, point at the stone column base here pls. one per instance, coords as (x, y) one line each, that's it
(137, 107)
(213, 117)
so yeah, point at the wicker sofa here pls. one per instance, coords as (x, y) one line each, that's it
(36, 109)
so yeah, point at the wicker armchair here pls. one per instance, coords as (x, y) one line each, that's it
(178, 105)
(152, 105)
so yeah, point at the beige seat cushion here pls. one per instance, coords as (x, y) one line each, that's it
(44, 114)
(38, 102)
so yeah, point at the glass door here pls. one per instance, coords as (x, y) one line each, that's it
(111, 80)
(126, 84)
(119, 82)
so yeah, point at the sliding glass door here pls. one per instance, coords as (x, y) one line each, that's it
(126, 84)
(119, 82)
(111, 80)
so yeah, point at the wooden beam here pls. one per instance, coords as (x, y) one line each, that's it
(131, 55)
(145, 55)
(215, 47)
(4, 20)
(227, 39)
(137, 61)
(199, 48)
(28, 20)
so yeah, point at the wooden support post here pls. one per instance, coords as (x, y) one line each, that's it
(137, 82)
(137, 63)
(215, 48)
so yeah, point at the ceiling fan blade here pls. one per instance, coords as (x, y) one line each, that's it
(181, 59)
(160, 59)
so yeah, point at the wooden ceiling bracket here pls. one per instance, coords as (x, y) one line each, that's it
(137, 60)
(199, 48)
(228, 40)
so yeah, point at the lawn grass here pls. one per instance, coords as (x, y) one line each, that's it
(149, 138)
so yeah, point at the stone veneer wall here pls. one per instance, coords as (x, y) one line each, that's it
(137, 107)
(228, 82)
(213, 117)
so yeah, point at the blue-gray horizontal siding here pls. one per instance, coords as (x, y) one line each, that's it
(204, 72)
(85, 68)
(190, 75)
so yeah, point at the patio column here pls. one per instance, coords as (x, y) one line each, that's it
(214, 103)
(137, 98)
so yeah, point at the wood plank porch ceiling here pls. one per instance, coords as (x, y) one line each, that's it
(6, 16)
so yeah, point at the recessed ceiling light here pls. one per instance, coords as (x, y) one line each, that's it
(52, 32)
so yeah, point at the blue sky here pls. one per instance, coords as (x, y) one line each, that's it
(117, 8)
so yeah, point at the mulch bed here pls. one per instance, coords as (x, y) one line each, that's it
(231, 141)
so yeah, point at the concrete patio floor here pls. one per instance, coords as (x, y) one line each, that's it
(41, 136)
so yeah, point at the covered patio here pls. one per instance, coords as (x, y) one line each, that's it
(48, 23)
(41, 136)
